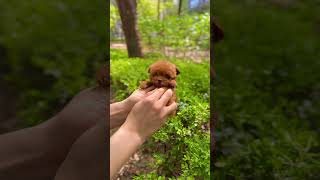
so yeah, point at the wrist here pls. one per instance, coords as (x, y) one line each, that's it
(133, 134)
(127, 105)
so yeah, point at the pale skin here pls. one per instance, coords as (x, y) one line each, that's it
(72, 144)
(120, 110)
(145, 118)
(37, 152)
(78, 165)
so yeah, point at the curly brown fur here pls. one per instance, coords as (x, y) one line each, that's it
(162, 74)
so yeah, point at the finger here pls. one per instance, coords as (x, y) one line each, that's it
(157, 94)
(151, 92)
(171, 108)
(166, 97)
(149, 89)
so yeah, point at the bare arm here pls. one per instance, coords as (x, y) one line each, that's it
(37, 152)
(120, 110)
(118, 113)
(122, 145)
(145, 118)
(87, 158)
(26, 154)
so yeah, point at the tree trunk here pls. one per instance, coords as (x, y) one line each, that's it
(180, 7)
(128, 14)
(158, 10)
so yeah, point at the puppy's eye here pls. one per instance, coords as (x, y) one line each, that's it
(168, 77)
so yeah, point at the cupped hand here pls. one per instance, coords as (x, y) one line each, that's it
(120, 110)
(148, 115)
(137, 96)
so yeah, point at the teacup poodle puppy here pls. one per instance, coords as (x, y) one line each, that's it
(162, 74)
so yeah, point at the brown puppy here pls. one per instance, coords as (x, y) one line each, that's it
(162, 74)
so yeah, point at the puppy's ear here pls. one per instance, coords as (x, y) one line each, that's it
(149, 68)
(178, 72)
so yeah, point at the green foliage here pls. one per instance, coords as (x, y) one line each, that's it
(53, 50)
(187, 32)
(114, 16)
(152, 175)
(187, 144)
(190, 31)
(267, 91)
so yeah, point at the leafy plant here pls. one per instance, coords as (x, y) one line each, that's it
(53, 49)
(266, 91)
(190, 31)
(184, 142)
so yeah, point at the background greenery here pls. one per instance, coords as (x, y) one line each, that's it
(189, 31)
(187, 142)
(267, 90)
(51, 50)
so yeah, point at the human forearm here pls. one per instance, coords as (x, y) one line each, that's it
(87, 158)
(145, 118)
(26, 154)
(118, 113)
(37, 152)
(122, 145)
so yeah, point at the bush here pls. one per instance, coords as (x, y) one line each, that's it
(187, 32)
(190, 31)
(266, 92)
(52, 50)
(187, 143)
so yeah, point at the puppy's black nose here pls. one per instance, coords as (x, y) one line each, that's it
(159, 81)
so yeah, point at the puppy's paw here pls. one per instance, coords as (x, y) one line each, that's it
(144, 84)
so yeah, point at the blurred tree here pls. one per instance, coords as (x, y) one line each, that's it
(158, 10)
(128, 14)
(180, 6)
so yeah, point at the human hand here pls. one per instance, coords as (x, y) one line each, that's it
(137, 96)
(120, 110)
(148, 115)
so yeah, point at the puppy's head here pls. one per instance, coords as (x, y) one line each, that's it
(163, 74)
